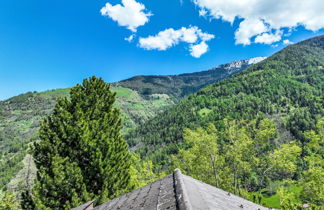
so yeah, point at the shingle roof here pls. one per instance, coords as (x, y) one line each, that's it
(177, 191)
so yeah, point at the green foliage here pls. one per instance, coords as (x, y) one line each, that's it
(142, 172)
(313, 186)
(9, 202)
(286, 199)
(239, 157)
(283, 161)
(81, 155)
(228, 157)
(60, 187)
(313, 177)
(202, 156)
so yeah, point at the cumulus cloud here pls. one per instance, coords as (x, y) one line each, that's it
(287, 42)
(268, 38)
(130, 14)
(249, 28)
(170, 37)
(198, 49)
(260, 16)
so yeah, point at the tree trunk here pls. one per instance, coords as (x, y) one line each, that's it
(235, 182)
(215, 170)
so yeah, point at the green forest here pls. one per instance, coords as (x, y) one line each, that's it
(258, 134)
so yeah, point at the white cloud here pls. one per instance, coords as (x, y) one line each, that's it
(130, 14)
(130, 38)
(287, 42)
(268, 38)
(273, 14)
(189, 35)
(198, 49)
(202, 12)
(170, 37)
(249, 28)
(162, 41)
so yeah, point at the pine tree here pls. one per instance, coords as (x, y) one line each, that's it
(81, 155)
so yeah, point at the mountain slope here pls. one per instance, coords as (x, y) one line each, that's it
(287, 86)
(178, 86)
(20, 115)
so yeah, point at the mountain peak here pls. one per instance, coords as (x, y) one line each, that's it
(240, 64)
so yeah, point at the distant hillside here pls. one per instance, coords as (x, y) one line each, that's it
(286, 87)
(178, 86)
(139, 98)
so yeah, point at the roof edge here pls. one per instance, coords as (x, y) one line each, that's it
(86, 206)
(182, 198)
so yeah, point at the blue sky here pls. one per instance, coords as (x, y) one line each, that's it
(55, 44)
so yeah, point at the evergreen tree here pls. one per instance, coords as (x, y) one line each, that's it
(27, 201)
(81, 155)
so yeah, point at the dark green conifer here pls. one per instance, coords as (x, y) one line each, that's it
(27, 201)
(81, 155)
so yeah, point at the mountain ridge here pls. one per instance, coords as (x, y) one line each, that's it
(184, 84)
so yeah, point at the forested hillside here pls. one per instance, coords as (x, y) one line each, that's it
(139, 98)
(287, 86)
(257, 131)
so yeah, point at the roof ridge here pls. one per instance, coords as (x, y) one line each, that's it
(182, 198)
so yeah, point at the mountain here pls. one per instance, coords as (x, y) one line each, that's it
(178, 86)
(286, 87)
(139, 98)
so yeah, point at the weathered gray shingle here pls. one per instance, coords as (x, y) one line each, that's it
(178, 191)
